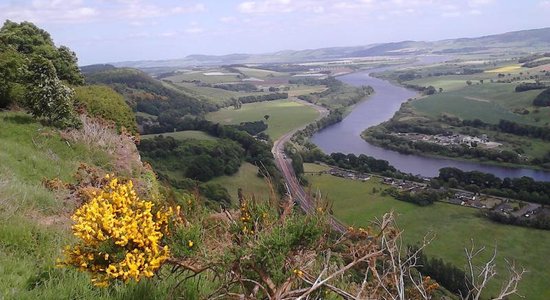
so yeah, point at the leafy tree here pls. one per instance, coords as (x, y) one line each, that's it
(12, 66)
(47, 97)
(27, 39)
(266, 117)
(543, 99)
(66, 64)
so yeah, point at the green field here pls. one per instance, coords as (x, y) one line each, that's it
(247, 179)
(202, 76)
(489, 102)
(260, 73)
(284, 115)
(450, 82)
(505, 69)
(214, 95)
(355, 203)
(184, 135)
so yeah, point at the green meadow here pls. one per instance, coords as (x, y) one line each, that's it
(284, 115)
(247, 179)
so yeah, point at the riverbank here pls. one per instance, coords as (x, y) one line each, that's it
(370, 139)
(345, 136)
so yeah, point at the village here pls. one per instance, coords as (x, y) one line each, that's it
(500, 205)
(451, 139)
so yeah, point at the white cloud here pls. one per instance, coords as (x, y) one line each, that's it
(54, 11)
(268, 6)
(545, 4)
(281, 6)
(228, 19)
(140, 10)
(194, 30)
(477, 3)
(79, 11)
(373, 8)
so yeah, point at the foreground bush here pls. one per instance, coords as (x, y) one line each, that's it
(120, 236)
(103, 102)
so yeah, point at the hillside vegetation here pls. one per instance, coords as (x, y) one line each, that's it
(103, 102)
(82, 216)
(34, 219)
(501, 101)
(147, 95)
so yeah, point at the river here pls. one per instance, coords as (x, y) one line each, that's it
(345, 136)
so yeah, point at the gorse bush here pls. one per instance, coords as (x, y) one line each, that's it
(120, 236)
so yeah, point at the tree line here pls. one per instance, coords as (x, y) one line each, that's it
(262, 98)
(256, 152)
(146, 94)
(422, 198)
(523, 188)
(195, 159)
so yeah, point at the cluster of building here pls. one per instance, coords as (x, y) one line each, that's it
(348, 174)
(503, 206)
(451, 139)
(406, 186)
(465, 198)
(525, 210)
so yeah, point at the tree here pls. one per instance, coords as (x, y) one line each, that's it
(542, 99)
(11, 69)
(66, 65)
(430, 90)
(266, 117)
(47, 97)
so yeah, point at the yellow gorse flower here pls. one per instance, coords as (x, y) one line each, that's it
(120, 235)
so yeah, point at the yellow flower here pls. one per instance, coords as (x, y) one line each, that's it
(116, 216)
(190, 243)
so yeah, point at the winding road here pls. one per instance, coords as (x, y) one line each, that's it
(284, 164)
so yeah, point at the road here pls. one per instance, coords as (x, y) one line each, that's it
(284, 165)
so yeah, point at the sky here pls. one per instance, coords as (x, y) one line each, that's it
(102, 31)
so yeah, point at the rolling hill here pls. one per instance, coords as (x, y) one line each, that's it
(518, 42)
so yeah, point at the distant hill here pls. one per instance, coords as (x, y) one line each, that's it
(524, 41)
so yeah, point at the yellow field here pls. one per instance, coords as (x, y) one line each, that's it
(505, 69)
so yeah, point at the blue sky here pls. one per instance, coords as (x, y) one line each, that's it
(118, 30)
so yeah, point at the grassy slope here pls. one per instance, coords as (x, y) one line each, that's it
(247, 179)
(34, 222)
(284, 115)
(184, 135)
(355, 203)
